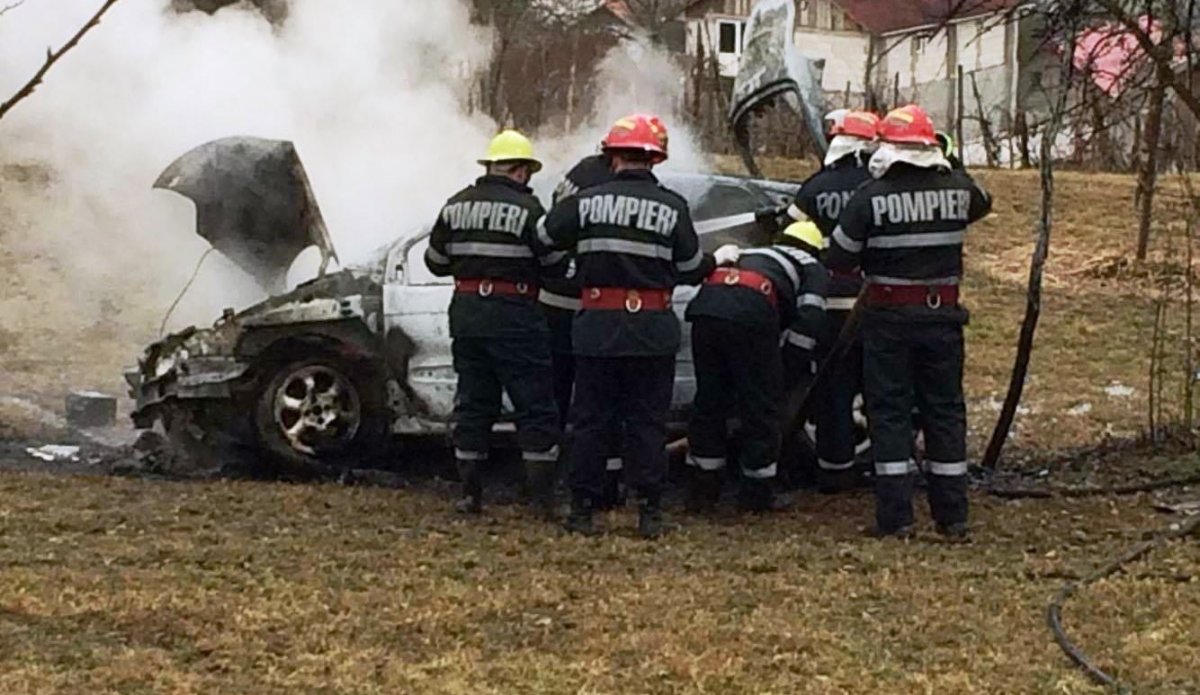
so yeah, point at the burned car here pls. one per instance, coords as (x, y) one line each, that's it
(332, 369)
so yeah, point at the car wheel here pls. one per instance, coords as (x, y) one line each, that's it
(322, 414)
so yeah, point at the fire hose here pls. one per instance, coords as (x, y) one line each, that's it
(1054, 610)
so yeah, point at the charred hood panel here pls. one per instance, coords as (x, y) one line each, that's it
(254, 204)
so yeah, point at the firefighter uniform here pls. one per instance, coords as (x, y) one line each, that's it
(822, 198)
(737, 319)
(905, 229)
(484, 237)
(633, 241)
(560, 301)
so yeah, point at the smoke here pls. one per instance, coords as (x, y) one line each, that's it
(373, 98)
(636, 76)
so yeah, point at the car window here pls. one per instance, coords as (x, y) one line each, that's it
(713, 197)
(415, 271)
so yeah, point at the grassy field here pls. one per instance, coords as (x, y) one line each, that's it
(131, 586)
(113, 585)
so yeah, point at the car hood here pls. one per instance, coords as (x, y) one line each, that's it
(254, 204)
(771, 68)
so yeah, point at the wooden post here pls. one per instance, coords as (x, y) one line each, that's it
(959, 118)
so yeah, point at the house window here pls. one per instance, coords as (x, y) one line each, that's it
(806, 15)
(729, 41)
(919, 44)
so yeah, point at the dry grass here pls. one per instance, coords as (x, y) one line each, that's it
(115, 585)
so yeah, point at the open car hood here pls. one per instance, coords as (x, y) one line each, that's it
(771, 68)
(254, 204)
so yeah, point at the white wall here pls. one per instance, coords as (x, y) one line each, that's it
(981, 44)
(708, 32)
(845, 57)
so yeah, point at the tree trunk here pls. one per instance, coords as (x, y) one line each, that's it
(1037, 264)
(1148, 176)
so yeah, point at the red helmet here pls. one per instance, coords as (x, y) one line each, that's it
(908, 125)
(640, 133)
(858, 124)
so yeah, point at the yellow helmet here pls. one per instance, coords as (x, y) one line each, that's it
(806, 232)
(511, 146)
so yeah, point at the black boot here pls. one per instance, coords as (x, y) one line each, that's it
(650, 518)
(893, 505)
(580, 519)
(704, 491)
(949, 504)
(472, 499)
(757, 497)
(836, 482)
(614, 492)
(539, 476)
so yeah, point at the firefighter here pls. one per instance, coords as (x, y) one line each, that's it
(559, 298)
(905, 229)
(633, 241)
(823, 197)
(745, 306)
(484, 237)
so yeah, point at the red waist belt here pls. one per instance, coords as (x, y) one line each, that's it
(622, 299)
(485, 287)
(746, 278)
(932, 296)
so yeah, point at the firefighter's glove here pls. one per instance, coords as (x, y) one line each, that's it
(727, 255)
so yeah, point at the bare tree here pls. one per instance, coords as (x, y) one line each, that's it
(1033, 307)
(53, 57)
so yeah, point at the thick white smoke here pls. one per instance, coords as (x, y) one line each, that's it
(372, 93)
(635, 76)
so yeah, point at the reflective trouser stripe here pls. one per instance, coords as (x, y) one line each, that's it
(559, 301)
(840, 303)
(886, 468)
(831, 466)
(705, 463)
(615, 464)
(548, 455)
(766, 473)
(464, 455)
(958, 468)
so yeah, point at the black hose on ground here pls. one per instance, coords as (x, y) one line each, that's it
(1054, 610)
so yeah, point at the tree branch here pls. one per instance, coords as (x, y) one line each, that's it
(53, 57)
(1162, 58)
(10, 7)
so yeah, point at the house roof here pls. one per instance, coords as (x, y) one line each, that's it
(889, 16)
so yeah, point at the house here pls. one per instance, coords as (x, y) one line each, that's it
(883, 51)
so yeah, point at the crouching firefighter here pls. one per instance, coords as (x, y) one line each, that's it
(633, 241)
(822, 198)
(560, 301)
(905, 229)
(484, 237)
(756, 300)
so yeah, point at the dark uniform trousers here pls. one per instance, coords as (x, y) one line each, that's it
(611, 392)
(906, 363)
(836, 430)
(739, 373)
(562, 356)
(488, 367)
